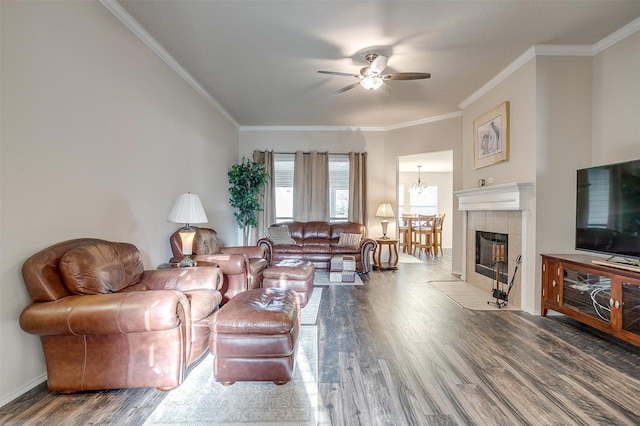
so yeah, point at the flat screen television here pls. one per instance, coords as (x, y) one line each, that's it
(608, 209)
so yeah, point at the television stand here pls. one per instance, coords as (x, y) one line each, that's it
(627, 264)
(596, 292)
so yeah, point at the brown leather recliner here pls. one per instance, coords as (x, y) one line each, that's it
(242, 266)
(106, 323)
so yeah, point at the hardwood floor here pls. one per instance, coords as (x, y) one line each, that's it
(396, 351)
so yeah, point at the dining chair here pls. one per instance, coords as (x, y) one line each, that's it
(405, 232)
(437, 234)
(423, 234)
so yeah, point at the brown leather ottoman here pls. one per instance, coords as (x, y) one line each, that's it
(292, 274)
(254, 337)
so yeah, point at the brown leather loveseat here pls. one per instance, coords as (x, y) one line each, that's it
(106, 323)
(317, 242)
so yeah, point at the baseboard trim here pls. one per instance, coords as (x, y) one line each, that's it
(23, 389)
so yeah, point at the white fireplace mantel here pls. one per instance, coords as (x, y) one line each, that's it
(508, 196)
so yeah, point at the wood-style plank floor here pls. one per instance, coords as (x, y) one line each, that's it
(397, 351)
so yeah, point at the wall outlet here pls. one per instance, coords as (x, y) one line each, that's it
(490, 180)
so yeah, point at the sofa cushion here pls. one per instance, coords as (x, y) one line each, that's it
(290, 249)
(316, 230)
(317, 248)
(350, 240)
(279, 235)
(99, 268)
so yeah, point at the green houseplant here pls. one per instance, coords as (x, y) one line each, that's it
(246, 180)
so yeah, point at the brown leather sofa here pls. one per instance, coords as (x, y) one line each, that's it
(317, 242)
(106, 323)
(242, 266)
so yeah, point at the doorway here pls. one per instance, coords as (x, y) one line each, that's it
(432, 191)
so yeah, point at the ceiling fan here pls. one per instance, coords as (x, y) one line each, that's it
(371, 77)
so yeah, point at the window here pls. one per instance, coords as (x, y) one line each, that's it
(425, 202)
(338, 187)
(283, 164)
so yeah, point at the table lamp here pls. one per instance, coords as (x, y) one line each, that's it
(384, 211)
(187, 209)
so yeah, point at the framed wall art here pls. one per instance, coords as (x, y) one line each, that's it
(491, 137)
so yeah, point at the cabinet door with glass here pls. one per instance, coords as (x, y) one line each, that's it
(588, 293)
(628, 306)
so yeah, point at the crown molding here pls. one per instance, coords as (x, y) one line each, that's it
(424, 121)
(123, 16)
(500, 77)
(563, 50)
(624, 32)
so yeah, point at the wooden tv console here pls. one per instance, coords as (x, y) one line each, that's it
(601, 296)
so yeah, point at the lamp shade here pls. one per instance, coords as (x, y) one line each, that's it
(384, 210)
(188, 209)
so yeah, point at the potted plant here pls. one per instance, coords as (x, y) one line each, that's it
(246, 181)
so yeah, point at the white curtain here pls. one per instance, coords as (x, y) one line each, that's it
(267, 214)
(311, 187)
(358, 187)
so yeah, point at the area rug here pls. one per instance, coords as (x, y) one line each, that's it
(468, 296)
(201, 401)
(309, 314)
(322, 278)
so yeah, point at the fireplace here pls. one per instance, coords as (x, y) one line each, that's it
(492, 248)
(502, 208)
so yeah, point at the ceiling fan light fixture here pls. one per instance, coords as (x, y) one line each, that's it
(371, 83)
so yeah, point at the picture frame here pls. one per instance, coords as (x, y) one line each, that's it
(491, 137)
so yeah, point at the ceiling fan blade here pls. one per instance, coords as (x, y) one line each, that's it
(406, 76)
(344, 74)
(344, 89)
(378, 65)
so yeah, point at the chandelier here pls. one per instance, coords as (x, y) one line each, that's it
(418, 187)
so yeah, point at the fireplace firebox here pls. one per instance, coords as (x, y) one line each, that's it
(492, 248)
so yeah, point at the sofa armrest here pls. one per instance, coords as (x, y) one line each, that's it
(183, 279)
(267, 244)
(114, 313)
(229, 264)
(367, 246)
(252, 252)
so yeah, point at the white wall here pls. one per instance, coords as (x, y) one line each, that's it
(616, 102)
(563, 145)
(98, 138)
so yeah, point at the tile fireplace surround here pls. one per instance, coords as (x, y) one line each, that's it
(501, 209)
